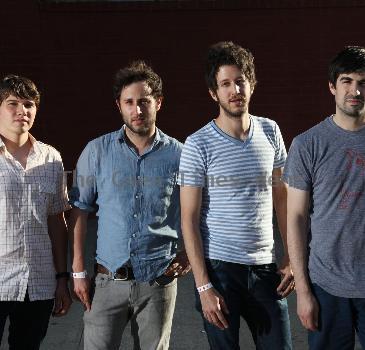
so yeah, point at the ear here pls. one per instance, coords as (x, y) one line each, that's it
(332, 88)
(213, 95)
(118, 104)
(158, 103)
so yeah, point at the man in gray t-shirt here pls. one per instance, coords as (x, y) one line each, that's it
(325, 171)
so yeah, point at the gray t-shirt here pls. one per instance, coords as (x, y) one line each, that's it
(329, 162)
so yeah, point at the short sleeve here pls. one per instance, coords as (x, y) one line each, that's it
(297, 171)
(280, 150)
(59, 202)
(83, 192)
(192, 168)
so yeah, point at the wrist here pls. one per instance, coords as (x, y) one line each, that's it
(62, 276)
(204, 287)
(81, 274)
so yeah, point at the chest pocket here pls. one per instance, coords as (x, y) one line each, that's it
(160, 190)
(42, 198)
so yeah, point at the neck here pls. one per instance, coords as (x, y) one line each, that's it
(349, 123)
(140, 142)
(15, 142)
(237, 127)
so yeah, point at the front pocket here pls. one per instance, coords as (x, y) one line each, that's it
(42, 195)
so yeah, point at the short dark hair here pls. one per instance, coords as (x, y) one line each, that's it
(135, 72)
(20, 87)
(227, 53)
(351, 59)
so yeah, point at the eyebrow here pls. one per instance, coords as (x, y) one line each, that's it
(25, 101)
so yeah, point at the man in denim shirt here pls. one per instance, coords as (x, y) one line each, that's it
(130, 174)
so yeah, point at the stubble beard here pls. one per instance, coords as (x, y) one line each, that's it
(232, 114)
(355, 112)
(143, 130)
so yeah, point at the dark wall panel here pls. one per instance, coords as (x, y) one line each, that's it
(73, 50)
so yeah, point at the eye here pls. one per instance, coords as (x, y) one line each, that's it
(225, 84)
(29, 105)
(144, 102)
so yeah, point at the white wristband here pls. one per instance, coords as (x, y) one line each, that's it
(204, 287)
(81, 274)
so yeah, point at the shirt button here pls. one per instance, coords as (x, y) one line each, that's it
(132, 254)
(134, 215)
(136, 196)
(138, 177)
(134, 235)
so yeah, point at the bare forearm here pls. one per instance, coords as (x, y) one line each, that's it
(78, 228)
(57, 231)
(281, 216)
(194, 250)
(280, 195)
(298, 251)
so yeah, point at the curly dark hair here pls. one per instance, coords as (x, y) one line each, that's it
(227, 53)
(350, 60)
(135, 72)
(20, 87)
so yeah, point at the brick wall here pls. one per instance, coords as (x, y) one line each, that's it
(73, 50)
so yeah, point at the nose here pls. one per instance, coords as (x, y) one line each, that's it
(139, 110)
(237, 88)
(357, 92)
(22, 110)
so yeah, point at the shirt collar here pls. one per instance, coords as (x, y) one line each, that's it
(35, 145)
(159, 136)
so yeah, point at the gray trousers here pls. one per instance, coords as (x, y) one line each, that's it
(148, 306)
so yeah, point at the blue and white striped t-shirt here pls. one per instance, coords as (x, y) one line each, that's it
(236, 178)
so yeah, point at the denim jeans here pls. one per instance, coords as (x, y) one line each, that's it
(339, 318)
(249, 292)
(147, 305)
(28, 322)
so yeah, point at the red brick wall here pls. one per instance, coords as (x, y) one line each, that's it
(73, 50)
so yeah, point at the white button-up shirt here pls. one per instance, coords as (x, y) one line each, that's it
(27, 197)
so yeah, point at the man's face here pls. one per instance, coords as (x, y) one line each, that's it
(233, 92)
(16, 115)
(138, 108)
(349, 94)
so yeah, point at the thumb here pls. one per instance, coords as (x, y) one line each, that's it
(223, 305)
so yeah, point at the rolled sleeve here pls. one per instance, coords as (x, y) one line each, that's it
(83, 192)
(59, 202)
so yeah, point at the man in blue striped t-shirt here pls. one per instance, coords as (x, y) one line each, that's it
(230, 173)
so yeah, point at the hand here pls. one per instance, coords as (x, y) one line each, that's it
(287, 284)
(307, 309)
(82, 291)
(213, 306)
(63, 299)
(180, 266)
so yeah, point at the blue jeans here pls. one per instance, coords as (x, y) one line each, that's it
(338, 320)
(249, 292)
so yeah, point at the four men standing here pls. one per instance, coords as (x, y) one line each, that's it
(230, 177)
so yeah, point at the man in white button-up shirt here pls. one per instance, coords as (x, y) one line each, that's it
(33, 234)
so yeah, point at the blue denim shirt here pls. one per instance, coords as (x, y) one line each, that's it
(137, 201)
